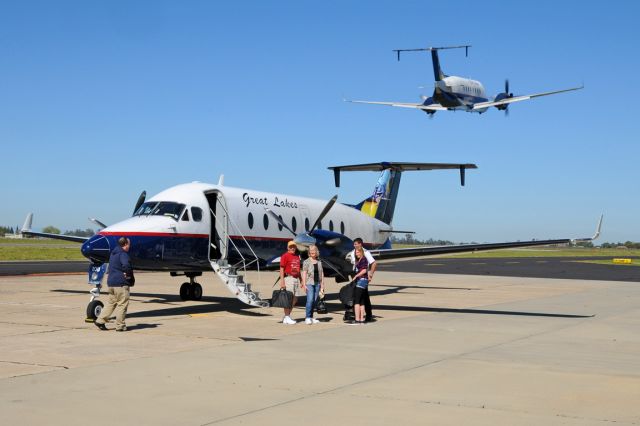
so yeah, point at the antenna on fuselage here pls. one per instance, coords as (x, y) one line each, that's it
(430, 49)
(221, 180)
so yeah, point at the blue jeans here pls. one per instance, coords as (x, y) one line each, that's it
(313, 290)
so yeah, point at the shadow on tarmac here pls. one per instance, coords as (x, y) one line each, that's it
(211, 304)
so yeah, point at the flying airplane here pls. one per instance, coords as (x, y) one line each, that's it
(196, 227)
(452, 93)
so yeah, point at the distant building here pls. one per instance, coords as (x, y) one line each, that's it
(13, 236)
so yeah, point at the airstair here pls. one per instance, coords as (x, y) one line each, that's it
(233, 275)
(234, 281)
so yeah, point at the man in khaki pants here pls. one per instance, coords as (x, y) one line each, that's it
(120, 277)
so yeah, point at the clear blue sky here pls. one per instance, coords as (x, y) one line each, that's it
(100, 100)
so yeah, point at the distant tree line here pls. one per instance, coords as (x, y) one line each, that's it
(410, 239)
(6, 230)
(628, 244)
(52, 230)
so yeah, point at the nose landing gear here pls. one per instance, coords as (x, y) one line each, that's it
(96, 274)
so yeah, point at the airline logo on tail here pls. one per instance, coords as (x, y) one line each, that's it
(381, 191)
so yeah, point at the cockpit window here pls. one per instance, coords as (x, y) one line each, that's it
(162, 208)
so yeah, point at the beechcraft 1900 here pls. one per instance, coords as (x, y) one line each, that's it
(196, 227)
(452, 93)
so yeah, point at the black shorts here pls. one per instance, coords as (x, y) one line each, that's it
(358, 296)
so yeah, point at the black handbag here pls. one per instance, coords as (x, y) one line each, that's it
(346, 294)
(321, 307)
(130, 279)
(281, 299)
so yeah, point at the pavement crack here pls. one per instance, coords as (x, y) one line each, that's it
(32, 364)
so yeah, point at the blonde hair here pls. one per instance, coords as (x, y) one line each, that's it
(314, 247)
(359, 250)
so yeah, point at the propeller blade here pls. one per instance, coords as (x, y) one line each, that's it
(324, 212)
(331, 266)
(141, 199)
(280, 221)
(506, 87)
(97, 222)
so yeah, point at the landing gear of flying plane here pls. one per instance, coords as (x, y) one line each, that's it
(191, 290)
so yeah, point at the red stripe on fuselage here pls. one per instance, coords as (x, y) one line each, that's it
(153, 234)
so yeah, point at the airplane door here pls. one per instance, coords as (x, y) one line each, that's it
(304, 218)
(219, 233)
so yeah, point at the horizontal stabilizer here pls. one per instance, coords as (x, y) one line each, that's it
(400, 167)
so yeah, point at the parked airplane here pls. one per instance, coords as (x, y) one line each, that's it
(197, 227)
(458, 93)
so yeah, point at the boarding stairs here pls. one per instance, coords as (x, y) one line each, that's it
(233, 275)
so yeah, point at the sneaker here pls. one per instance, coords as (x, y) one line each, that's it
(288, 320)
(100, 326)
(121, 329)
(308, 321)
(314, 321)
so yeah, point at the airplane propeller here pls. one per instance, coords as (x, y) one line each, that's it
(504, 95)
(141, 199)
(305, 239)
(509, 95)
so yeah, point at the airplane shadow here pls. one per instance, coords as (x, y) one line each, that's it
(212, 304)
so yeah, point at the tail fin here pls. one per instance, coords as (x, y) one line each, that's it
(382, 203)
(437, 71)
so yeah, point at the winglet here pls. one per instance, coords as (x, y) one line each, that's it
(595, 236)
(27, 223)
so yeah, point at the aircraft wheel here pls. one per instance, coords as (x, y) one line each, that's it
(196, 291)
(93, 309)
(185, 291)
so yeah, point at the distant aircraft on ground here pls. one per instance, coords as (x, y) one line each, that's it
(196, 227)
(452, 93)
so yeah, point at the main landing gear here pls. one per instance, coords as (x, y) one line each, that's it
(191, 290)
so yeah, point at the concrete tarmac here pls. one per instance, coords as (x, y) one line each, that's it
(444, 350)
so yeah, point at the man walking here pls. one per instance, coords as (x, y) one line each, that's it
(120, 278)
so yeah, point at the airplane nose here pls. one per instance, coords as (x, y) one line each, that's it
(96, 249)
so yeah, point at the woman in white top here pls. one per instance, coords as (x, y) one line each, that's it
(312, 282)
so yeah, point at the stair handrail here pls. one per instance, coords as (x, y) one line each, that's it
(237, 229)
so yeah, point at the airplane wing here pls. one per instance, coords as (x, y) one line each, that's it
(434, 250)
(56, 236)
(430, 107)
(505, 101)
(26, 230)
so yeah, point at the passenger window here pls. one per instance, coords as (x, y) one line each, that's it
(330, 225)
(265, 221)
(306, 224)
(185, 216)
(196, 213)
(250, 220)
(279, 224)
(342, 228)
(294, 224)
